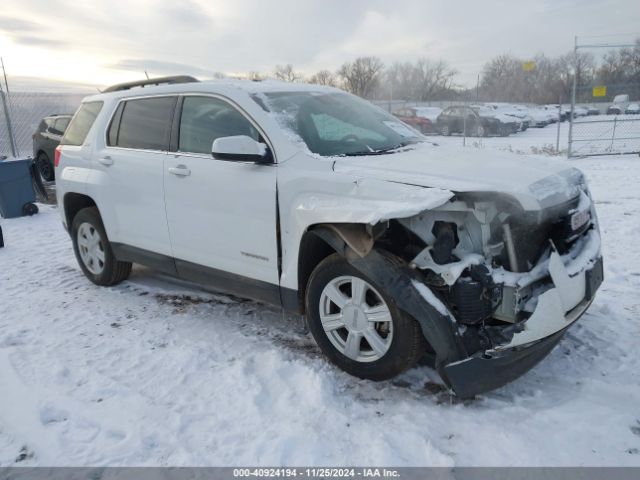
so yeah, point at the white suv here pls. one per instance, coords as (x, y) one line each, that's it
(310, 198)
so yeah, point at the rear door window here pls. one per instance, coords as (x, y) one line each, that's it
(144, 123)
(81, 123)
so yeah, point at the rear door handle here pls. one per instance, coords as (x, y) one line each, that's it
(106, 160)
(180, 170)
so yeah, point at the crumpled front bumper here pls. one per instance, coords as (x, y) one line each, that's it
(556, 310)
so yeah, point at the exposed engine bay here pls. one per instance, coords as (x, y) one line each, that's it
(488, 261)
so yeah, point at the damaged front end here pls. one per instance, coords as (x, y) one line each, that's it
(493, 286)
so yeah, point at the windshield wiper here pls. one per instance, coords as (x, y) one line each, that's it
(380, 151)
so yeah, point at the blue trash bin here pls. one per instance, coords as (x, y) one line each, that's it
(17, 195)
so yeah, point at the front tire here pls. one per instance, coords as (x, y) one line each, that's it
(93, 250)
(445, 130)
(357, 325)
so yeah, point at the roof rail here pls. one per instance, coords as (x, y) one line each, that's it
(151, 81)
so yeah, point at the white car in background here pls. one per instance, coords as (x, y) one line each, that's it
(539, 117)
(580, 111)
(621, 101)
(632, 109)
(316, 201)
(511, 123)
(523, 118)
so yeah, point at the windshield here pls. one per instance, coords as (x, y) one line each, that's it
(333, 124)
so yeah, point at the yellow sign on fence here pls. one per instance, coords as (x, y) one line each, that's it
(600, 91)
(529, 66)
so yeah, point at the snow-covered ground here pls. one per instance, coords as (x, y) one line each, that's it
(159, 372)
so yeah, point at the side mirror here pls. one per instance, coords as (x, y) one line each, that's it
(240, 148)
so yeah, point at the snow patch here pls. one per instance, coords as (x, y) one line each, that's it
(432, 300)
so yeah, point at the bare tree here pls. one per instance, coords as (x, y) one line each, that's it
(503, 79)
(324, 77)
(432, 79)
(620, 71)
(362, 76)
(583, 64)
(286, 73)
(401, 81)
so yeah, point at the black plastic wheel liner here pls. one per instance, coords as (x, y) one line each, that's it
(395, 278)
(37, 181)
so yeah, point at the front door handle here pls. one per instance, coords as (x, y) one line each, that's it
(106, 160)
(180, 170)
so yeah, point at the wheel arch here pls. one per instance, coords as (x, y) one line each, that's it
(388, 271)
(321, 240)
(73, 203)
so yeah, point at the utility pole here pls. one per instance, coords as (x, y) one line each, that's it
(573, 94)
(7, 115)
(559, 123)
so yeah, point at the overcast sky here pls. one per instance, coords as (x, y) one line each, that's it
(105, 42)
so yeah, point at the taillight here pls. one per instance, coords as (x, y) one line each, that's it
(56, 157)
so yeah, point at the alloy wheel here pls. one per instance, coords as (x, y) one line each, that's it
(91, 248)
(356, 319)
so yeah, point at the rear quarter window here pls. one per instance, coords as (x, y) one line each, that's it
(143, 123)
(81, 123)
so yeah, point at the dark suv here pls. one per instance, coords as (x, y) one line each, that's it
(472, 122)
(45, 140)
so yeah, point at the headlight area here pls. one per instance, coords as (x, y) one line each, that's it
(509, 279)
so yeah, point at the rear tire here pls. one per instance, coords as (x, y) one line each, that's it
(388, 341)
(93, 250)
(45, 168)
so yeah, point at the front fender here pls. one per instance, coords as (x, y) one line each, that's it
(343, 199)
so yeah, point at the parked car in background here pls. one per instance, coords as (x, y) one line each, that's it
(614, 110)
(621, 101)
(316, 201)
(522, 118)
(429, 112)
(410, 116)
(461, 119)
(580, 111)
(508, 124)
(45, 140)
(539, 116)
(592, 110)
(632, 109)
(556, 111)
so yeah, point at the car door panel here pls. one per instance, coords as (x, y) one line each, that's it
(132, 166)
(222, 215)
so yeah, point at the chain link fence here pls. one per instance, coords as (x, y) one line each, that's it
(606, 135)
(21, 112)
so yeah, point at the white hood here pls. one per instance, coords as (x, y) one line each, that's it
(535, 182)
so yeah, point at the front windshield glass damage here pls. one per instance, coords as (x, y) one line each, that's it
(338, 124)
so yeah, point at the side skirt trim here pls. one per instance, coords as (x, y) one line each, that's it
(218, 280)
